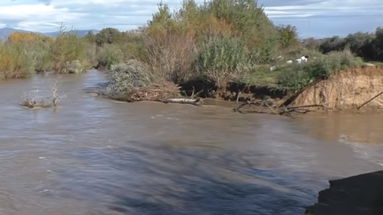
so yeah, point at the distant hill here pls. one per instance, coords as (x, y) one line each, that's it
(80, 33)
(5, 32)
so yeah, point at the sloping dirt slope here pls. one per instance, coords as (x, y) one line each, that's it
(345, 90)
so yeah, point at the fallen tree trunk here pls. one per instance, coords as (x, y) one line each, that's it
(305, 106)
(370, 100)
(183, 101)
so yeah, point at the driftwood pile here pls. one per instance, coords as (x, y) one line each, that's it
(155, 92)
(268, 107)
(165, 92)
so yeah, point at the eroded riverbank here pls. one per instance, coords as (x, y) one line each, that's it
(96, 156)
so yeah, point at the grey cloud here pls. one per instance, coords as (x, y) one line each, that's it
(268, 3)
(320, 27)
(47, 2)
(323, 18)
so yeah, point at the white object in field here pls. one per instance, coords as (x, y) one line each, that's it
(302, 59)
(298, 61)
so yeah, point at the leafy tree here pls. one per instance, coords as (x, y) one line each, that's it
(249, 20)
(332, 44)
(162, 23)
(287, 36)
(108, 36)
(360, 44)
(378, 43)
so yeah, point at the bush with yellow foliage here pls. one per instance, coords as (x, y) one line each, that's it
(14, 61)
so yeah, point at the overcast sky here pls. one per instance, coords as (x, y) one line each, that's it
(317, 18)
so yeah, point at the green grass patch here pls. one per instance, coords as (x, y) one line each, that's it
(262, 76)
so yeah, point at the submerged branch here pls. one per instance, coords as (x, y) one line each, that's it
(264, 107)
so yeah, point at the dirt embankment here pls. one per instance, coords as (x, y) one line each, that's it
(345, 90)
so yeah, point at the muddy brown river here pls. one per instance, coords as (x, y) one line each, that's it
(94, 156)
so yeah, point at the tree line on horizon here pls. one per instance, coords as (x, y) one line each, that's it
(369, 46)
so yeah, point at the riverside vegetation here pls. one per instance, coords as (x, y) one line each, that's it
(217, 49)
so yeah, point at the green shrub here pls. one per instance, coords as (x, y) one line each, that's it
(126, 78)
(287, 36)
(263, 54)
(39, 53)
(66, 49)
(91, 54)
(109, 55)
(296, 76)
(35, 46)
(133, 46)
(222, 59)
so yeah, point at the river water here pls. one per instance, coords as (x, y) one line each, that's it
(96, 156)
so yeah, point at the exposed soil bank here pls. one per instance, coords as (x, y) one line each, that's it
(345, 90)
(356, 195)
